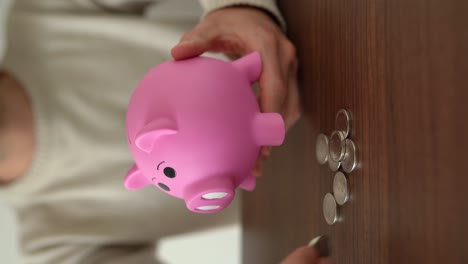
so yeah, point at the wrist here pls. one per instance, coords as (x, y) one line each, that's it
(255, 8)
(267, 6)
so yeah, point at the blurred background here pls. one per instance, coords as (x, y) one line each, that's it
(208, 246)
(221, 243)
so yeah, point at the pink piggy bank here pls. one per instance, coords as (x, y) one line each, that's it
(195, 130)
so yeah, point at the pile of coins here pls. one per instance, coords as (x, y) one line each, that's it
(340, 153)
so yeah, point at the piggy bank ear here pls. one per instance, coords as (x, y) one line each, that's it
(152, 131)
(135, 179)
(250, 65)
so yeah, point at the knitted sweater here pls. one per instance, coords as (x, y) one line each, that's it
(79, 61)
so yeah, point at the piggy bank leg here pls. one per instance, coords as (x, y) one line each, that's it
(269, 129)
(249, 183)
(135, 179)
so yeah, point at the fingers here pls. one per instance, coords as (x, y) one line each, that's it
(193, 44)
(293, 105)
(316, 252)
(302, 255)
(190, 48)
(237, 31)
(206, 37)
(196, 41)
(266, 151)
(273, 86)
(286, 99)
(258, 169)
(279, 89)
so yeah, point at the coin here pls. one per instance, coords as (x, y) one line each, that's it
(330, 210)
(343, 122)
(336, 146)
(350, 161)
(321, 148)
(340, 188)
(334, 166)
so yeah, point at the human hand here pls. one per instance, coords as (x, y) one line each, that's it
(237, 31)
(306, 255)
(315, 253)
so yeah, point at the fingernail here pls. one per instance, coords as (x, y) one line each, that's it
(321, 244)
(266, 151)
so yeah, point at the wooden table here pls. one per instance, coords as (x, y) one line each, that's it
(401, 68)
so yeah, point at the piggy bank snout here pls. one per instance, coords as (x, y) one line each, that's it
(209, 196)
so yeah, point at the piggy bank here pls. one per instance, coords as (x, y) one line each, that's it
(195, 130)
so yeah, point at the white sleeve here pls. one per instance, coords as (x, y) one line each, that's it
(267, 5)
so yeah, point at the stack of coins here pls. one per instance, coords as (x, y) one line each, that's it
(340, 152)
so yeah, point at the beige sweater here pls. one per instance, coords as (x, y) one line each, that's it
(79, 64)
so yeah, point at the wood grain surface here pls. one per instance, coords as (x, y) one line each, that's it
(401, 68)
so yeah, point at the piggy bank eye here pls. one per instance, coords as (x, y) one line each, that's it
(169, 172)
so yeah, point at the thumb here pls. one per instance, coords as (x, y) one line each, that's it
(302, 255)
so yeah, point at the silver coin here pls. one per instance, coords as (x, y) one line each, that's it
(321, 244)
(334, 166)
(336, 146)
(321, 149)
(350, 160)
(340, 188)
(330, 210)
(343, 122)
